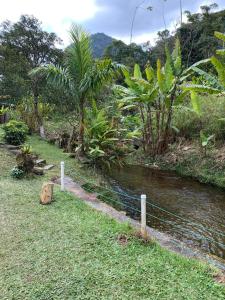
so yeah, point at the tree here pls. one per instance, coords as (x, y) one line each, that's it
(196, 36)
(80, 75)
(213, 84)
(155, 97)
(24, 46)
(128, 55)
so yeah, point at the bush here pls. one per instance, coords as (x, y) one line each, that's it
(26, 112)
(15, 132)
(25, 159)
(17, 173)
(211, 119)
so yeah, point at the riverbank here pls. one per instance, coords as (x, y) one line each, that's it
(68, 250)
(186, 159)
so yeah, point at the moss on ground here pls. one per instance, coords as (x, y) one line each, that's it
(66, 250)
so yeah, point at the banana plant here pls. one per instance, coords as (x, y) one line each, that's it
(154, 96)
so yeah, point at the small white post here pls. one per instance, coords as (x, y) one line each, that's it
(143, 216)
(62, 175)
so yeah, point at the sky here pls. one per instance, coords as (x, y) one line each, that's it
(113, 17)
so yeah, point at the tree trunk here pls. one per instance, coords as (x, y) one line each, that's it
(81, 129)
(36, 111)
(163, 144)
(72, 138)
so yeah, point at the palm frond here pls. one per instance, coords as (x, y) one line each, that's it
(79, 53)
(99, 74)
(56, 75)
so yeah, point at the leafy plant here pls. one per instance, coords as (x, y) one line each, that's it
(154, 95)
(17, 173)
(15, 132)
(103, 142)
(26, 112)
(81, 75)
(205, 141)
(3, 110)
(25, 159)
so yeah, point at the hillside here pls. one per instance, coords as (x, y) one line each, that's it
(99, 42)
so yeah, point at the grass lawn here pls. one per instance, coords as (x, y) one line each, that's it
(68, 251)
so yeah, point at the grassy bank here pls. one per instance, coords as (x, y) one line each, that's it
(186, 159)
(69, 251)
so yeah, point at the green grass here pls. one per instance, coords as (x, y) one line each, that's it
(66, 250)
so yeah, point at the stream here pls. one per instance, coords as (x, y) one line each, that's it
(184, 208)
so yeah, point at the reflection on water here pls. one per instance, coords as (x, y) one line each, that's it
(201, 208)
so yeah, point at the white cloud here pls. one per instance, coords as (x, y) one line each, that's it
(55, 15)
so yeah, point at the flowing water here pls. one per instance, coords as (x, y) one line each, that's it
(190, 211)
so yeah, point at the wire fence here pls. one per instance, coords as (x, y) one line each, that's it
(129, 206)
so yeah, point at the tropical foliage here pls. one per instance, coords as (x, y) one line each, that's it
(80, 75)
(154, 96)
(104, 141)
(15, 132)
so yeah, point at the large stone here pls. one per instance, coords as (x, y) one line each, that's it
(48, 167)
(40, 162)
(38, 171)
(46, 196)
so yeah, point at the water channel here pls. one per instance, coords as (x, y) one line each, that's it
(184, 208)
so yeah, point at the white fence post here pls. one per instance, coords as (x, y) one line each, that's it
(62, 175)
(143, 216)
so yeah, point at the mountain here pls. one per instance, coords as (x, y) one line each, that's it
(99, 42)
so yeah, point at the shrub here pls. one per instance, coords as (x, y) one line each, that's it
(25, 159)
(17, 173)
(26, 112)
(211, 118)
(15, 132)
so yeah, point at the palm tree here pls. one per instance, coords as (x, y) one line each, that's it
(80, 75)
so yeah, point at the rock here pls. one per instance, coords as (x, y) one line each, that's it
(38, 171)
(186, 148)
(46, 196)
(48, 167)
(40, 162)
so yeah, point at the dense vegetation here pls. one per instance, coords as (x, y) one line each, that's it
(127, 100)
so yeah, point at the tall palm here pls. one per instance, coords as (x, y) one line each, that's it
(80, 75)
